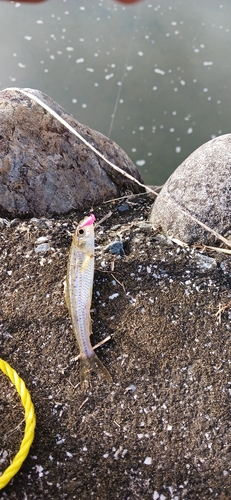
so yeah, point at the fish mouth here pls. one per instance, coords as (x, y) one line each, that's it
(88, 221)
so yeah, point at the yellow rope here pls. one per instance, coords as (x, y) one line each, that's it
(29, 427)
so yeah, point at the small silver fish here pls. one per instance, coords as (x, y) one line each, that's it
(78, 294)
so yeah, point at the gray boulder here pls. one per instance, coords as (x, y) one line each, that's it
(200, 186)
(45, 169)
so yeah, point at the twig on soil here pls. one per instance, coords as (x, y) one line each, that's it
(118, 425)
(133, 195)
(125, 197)
(221, 309)
(94, 347)
(72, 385)
(103, 219)
(200, 247)
(119, 282)
(16, 428)
(83, 403)
(178, 242)
(216, 249)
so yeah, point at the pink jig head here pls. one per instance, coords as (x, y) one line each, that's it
(90, 220)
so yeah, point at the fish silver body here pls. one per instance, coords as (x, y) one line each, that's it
(78, 294)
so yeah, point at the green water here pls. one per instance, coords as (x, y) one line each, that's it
(165, 63)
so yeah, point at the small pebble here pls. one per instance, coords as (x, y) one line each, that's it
(115, 248)
(14, 223)
(226, 266)
(42, 239)
(131, 387)
(155, 495)
(44, 247)
(124, 208)
(113, 296)
(3, 223)
(205, 262)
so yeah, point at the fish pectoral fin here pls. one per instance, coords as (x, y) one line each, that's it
(66, 295)
(86, 261)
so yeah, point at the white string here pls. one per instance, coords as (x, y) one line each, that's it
(71, 129)
(123, 76)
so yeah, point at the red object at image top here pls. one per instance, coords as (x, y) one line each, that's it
(28, 1)
(40, 1)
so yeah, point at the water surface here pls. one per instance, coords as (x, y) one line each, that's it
(154, 76)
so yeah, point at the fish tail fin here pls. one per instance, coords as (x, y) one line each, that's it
(89, 365)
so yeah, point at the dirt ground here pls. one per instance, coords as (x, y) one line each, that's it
(161, 430)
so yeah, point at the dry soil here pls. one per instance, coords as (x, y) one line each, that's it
(161, 430)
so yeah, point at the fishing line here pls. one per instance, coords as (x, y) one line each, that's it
(123, 75)
(71, 129)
